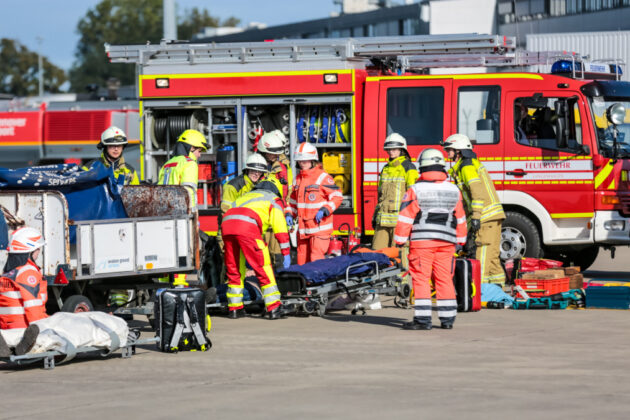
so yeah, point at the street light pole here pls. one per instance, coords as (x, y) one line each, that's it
(40, 66)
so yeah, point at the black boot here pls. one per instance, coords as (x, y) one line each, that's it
(446, 326)
(28, 340)
(238, 313)
(278, 312)
(415, 325)
(5, 350)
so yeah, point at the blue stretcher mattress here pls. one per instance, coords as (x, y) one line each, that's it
(318, 272)
(91, 195)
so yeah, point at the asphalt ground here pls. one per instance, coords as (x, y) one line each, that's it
(493, 364)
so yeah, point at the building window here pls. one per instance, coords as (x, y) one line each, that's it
(478, 113)
(417, 114)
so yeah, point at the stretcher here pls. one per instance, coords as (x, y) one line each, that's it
(52, 358)
(356, 280)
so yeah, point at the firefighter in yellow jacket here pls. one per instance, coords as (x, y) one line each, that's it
(483, 208)
(255, 169)
(398, 175)
(113, 142)
(242, 229)
(183, 169)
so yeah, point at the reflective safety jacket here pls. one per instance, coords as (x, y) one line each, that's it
(312, 190)
(396, 177)
(182, 170)
(233, 189)
(480, 196)
(23, 293)
(120, 168)
(281, 169)
(431, 212)
(255, 213)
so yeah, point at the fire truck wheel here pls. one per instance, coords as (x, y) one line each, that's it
(582, 258)
(519, 237)
(77, 303)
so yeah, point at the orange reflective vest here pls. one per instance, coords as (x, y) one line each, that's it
(30, 300)
(312, 190)
(11, 309)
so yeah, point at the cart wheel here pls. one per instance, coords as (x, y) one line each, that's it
(309, 307)
(321, 309)
(77, 303)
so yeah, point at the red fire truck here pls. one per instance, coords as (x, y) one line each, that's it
(64, 131)
(561, 168)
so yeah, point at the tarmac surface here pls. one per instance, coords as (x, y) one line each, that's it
(493, 364)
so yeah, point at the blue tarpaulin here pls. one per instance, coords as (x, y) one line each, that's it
(91, 195)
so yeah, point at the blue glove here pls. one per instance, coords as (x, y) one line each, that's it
(289, 220)
(287, 261)
(323, 212)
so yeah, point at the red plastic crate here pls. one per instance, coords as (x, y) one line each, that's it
(550, 286)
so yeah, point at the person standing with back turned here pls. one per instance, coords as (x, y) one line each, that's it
(483, 208)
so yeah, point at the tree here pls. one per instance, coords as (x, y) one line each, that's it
(119, 22)
(19, 71)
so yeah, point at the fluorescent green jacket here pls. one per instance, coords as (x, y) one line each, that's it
(480, 197)
(182, 170)
(396, 178)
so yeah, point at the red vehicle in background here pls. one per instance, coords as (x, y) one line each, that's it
(65, 132)
(557, 160)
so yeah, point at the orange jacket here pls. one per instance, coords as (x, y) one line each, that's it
(432, 212)
(312, 190)
(30, 299)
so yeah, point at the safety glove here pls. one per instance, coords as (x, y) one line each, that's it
(323, 212)
(289, 219)
(286, 262)
(475, 225)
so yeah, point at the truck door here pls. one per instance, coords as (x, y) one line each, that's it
(556, 175)
(416, 108)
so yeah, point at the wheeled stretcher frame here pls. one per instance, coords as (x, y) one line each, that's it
(48, 357)
(314, 299)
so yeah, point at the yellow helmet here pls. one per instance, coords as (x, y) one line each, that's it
(194, 138)
(272, 184)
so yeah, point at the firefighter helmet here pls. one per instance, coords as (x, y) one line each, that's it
(395, 141)
(429, 158)
(194, 138)
(306, 151)
(113, 136)
(270, 184)
(26, 239)
(458, 142)
(272, 142)
(255, 162)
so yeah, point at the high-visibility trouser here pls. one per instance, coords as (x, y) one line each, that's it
(488, 243)
(436, 262)
(312, 248)
(238, 250)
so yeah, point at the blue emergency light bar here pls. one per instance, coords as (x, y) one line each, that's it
(604, 70)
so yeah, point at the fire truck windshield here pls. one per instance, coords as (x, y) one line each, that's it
(605, 132)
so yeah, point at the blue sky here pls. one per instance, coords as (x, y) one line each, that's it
(55, 21)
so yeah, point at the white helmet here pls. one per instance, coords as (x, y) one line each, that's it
(458, 142)
(395, 141)
(256, 162)
(26, 239)
(272, 142)
(306, 151)
(113, 136)
(430, 157)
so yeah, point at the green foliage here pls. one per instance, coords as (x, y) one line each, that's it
(120, 22)
(19, 72)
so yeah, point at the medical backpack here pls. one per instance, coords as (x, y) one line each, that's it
(181, 320)
(467, 281)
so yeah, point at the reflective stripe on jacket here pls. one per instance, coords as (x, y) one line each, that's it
(431, 210)
(12, 313)
(281, 169)
(314, 189)
(235, 188)
(181, 170)
(120, 168)
(396, 177)
(253, 214)
(33, 291)
(480, 196)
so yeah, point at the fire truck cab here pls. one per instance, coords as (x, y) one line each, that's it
(558, 161)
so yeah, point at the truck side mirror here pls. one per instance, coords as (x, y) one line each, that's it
(562, 133)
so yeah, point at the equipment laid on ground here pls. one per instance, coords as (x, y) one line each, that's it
(308, 288)
(611, 297)
(181, 323)
(467, 279)
(562, 300)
